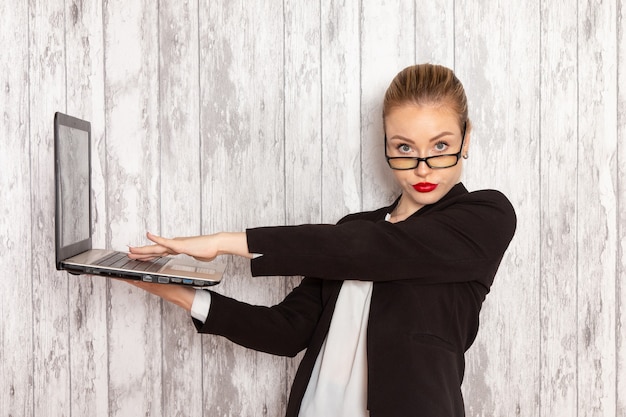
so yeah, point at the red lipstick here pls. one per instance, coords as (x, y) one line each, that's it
(424, 187)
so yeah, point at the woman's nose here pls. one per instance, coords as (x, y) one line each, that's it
(422, 168)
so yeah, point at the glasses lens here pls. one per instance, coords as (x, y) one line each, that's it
(443, 161)
(402, 163)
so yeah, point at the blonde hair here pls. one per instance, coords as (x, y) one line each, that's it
(428, 85)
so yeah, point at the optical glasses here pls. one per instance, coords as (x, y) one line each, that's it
(433, 162)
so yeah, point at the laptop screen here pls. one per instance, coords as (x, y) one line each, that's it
(73, 184)
(72, 149)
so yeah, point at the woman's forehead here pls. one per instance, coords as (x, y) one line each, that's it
(425, 117)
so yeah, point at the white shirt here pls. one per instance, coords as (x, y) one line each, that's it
(201, 305)
(338, 383)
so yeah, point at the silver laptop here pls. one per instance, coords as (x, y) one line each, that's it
(74, 252)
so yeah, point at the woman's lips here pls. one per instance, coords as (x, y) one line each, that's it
(424, 187)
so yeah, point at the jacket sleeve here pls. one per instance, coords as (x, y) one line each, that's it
(461, 240)
(284, 329)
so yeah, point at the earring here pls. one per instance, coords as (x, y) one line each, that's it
(465, 156)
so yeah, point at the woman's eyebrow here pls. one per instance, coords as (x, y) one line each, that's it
(434, 138)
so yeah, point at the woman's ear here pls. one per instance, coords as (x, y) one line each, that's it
(466, 146)
(466, 142)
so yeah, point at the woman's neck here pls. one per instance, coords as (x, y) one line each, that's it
(403, 211)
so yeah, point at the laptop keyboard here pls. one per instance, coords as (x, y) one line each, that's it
(121, 260)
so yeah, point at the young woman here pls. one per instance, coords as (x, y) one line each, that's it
(391, 298)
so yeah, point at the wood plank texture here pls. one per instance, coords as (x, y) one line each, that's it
(597, 203)
(16, 337)
(224, 115)
(50, 309)
(435, 32)
(620, 328)
(341, 112)
(303, 112)
(559, 164)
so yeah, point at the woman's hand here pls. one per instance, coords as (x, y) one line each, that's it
(176, 294)
(202, 248)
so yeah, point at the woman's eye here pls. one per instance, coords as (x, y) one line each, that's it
(441, 146)
(404, 148)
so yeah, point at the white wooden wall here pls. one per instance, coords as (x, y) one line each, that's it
(228, 114)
